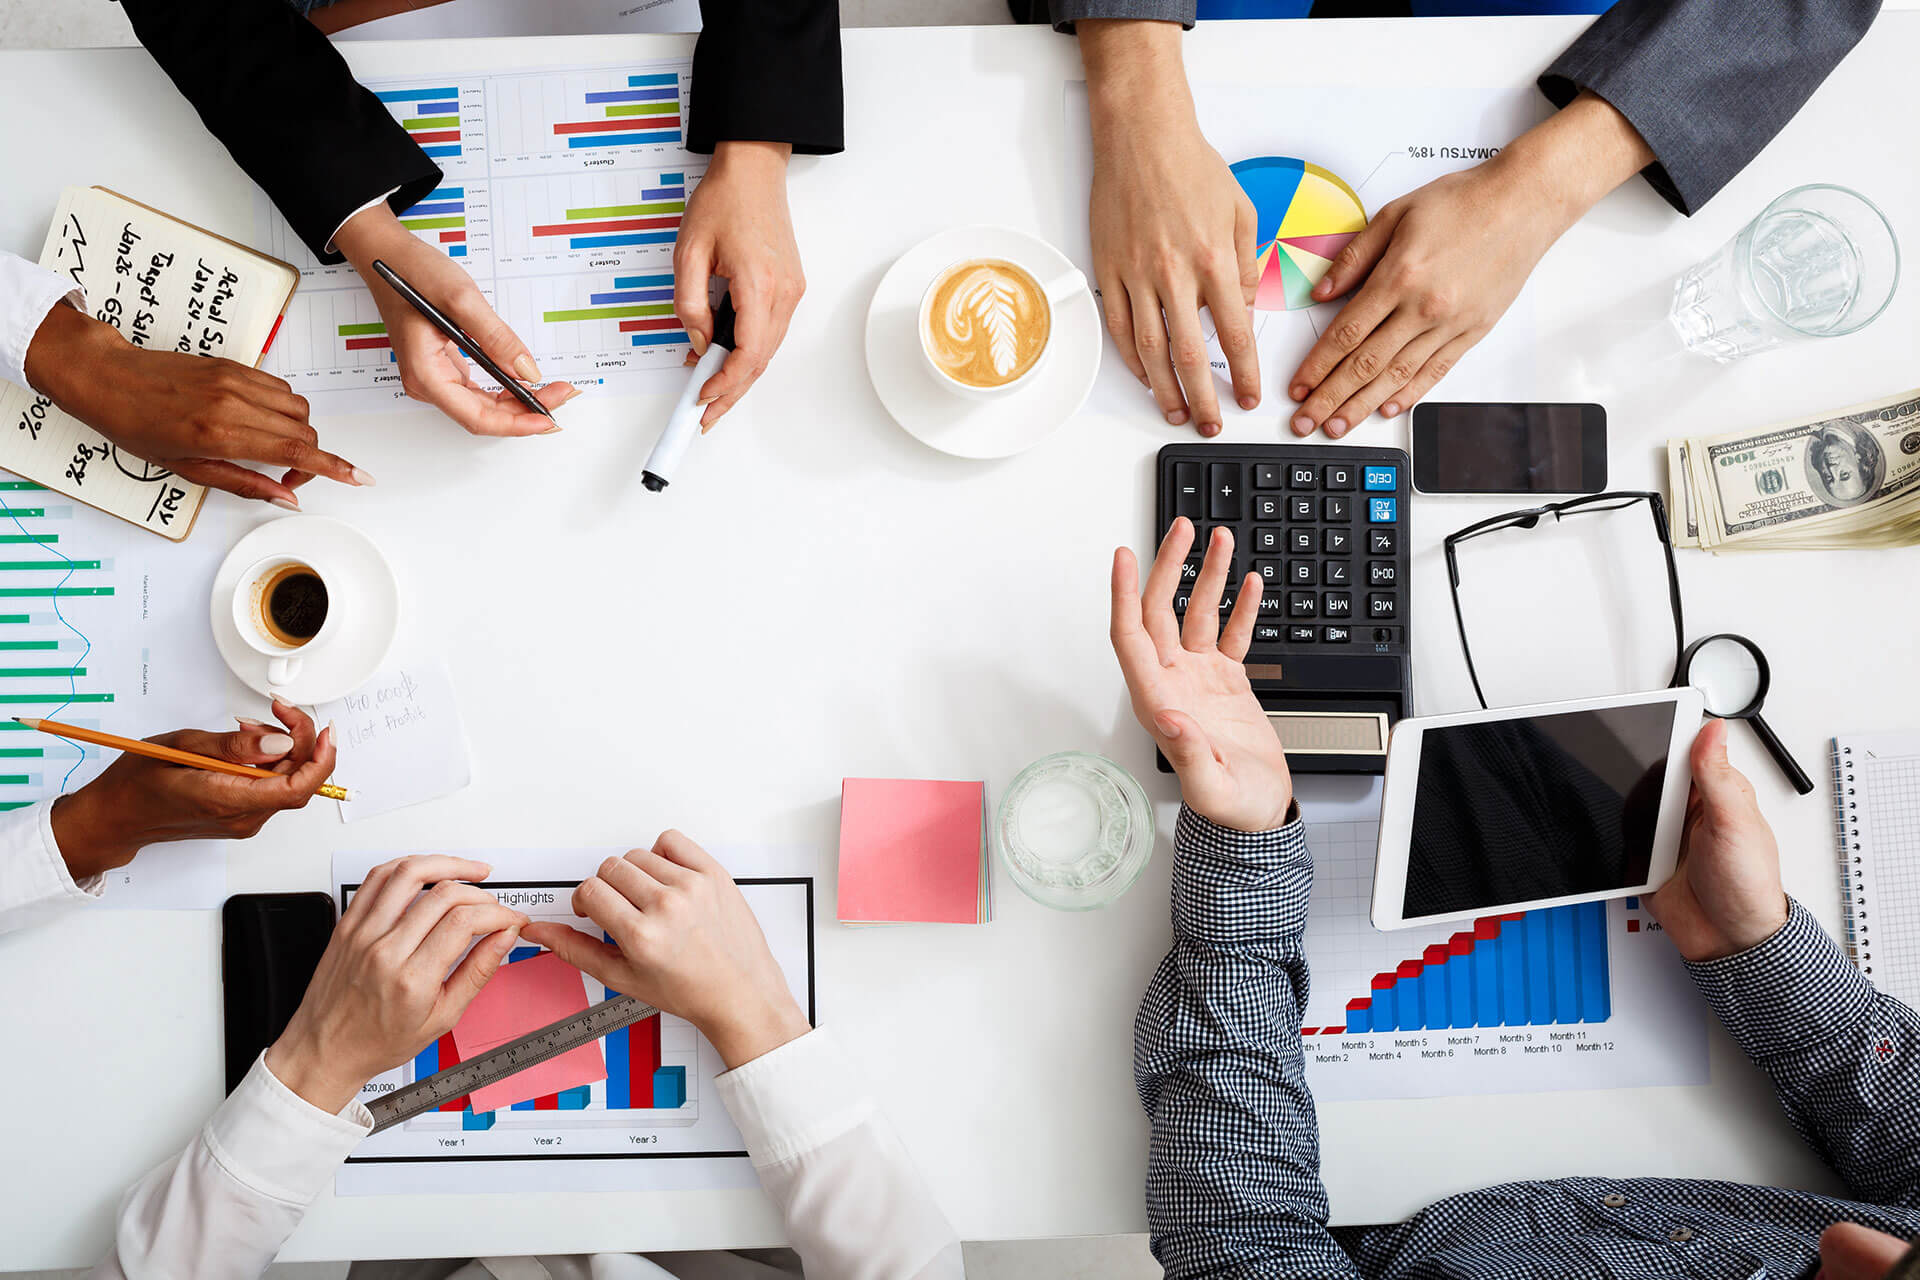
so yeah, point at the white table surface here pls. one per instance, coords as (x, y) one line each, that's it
(825, 597)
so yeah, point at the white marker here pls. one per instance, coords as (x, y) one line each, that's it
(683, 424)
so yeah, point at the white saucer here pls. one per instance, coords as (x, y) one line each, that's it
(979, 428)
(367, 593)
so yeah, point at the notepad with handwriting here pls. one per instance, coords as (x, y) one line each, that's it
(166, 285)
(1876, 786)
(913, 852)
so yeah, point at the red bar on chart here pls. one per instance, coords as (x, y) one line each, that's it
(453, 237)
(1408, 969)
(1486, 928)
(610, 224)
(625, 124)
(1434, 956)
(436, 135)
(450, 1057)
(1358, 1002)
(1460, 944)
(368, 344)
(643, 1059)
(645, 326)
(1384, 981)
(547, 1102)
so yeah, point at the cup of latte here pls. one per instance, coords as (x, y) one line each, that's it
(282, 608)
(986, 325)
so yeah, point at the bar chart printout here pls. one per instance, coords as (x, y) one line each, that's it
(1584, 996)
(652, 1122)
(447, 119)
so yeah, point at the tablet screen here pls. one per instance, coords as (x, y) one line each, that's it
(1541, 807)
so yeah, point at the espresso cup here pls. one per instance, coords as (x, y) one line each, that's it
(985, 324)
(278, 611)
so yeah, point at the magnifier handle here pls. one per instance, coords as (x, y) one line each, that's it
(1781, 756)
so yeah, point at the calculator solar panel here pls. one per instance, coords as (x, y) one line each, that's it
(1326, 528)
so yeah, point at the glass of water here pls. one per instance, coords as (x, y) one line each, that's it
(1818, 262)
(1075, 831)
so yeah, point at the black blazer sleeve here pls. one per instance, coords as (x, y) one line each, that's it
(768, 71)
(1708, 83)
(272, 89)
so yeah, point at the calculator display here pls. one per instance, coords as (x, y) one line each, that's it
(1348, 733)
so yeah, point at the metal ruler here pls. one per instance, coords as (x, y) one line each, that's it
(515, 1056)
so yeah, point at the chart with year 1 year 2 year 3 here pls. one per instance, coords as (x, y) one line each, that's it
(1590, 996)
(562, 198)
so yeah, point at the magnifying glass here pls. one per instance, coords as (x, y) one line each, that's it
(1732, 676)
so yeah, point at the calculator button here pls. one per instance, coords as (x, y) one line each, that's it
(1189, 571)
(1301, 541)
(1226, 602)
(1382, 606)
(1336, 635)
(1269, 570)
(1380, 479)
(1266, 541)
(1339, 476)
(1300, 476)
(1383, 510)
(1300, 573)
(1337, 573)
(1337, 604)
(1382, 573)
(1337, 508)
(1336, 542)
(1269, 506)
(1187, 479)
(1266, 633)
(1299, 508)
(1180, 601)
(1300, 634)
(1266, 475)
(1301, 604)
(1224, 499)
(1269, 603)
(1382, 542)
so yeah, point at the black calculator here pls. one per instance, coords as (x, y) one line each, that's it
(1326, 529)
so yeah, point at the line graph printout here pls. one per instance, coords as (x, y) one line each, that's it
(561, 188)
(1583, 997)
(653, 1123)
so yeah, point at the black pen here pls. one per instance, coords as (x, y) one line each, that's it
(468, 345)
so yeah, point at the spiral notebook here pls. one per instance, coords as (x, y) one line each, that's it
(1876, 789)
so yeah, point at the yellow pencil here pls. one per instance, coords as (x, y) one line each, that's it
(154, 751)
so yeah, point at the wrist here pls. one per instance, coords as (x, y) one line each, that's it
(90, 838)
(759, 161)
(1571, 160)
(67, 347)
(1732, 937)
(740, 1036)
(1135, 74)
(303, 1070)
(368, 233)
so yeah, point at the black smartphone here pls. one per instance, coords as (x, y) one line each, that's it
(270, 945)
(1509, 448)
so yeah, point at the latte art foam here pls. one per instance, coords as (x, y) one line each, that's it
(988, 322)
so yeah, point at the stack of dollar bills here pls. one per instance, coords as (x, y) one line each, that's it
(1846, 479)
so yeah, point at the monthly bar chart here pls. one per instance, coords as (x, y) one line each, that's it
(451, 218)
(581, 117)
(332, 338)
(568, 221)
(653, 219)
(431, 116)
(645, 113)
(584, 324)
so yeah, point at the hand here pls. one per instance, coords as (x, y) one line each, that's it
(737, 226)
(431, 366)
(1172, 230)
(1725, 895)
(1443, 263)
(686, 942)
(383, 990)
(199, 416)
(137, 802)
(1849, 1251)
(1192, 694)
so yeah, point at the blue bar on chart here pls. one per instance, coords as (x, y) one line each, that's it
(416, 95)
(670, 1087)
(575, 1099)
(1540, 968)
(470, 1121)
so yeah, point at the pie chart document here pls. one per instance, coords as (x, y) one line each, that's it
(1317, 163)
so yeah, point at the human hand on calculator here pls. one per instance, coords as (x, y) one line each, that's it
(1189, 685)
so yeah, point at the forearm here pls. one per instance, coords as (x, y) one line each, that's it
(1569, 161)
(1233, 1173)
(1135, 76)
(1844, 1059)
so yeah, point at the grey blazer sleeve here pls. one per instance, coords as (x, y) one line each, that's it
(1708, 83)
(1064, 13)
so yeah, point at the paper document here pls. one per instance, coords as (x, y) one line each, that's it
(401, 740)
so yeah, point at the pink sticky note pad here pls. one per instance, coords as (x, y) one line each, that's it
(525, 996)
(910, 851)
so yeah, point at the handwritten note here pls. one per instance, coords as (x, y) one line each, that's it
(166, 286)
(401, 740)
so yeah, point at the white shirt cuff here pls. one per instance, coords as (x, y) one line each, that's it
(274, 1141)
(795, 1099)
(382, 198)
(27, 293)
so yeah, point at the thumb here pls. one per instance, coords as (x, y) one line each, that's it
(583, 951)
(474, 972)
(1351, 264)
(1184, 743)
(262, 746)
(1712, 771)
(501, 343)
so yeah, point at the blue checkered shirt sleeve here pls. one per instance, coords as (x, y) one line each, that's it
(1233, 1171)
(1841, 1055)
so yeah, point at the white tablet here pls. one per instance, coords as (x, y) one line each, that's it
(1488, 812)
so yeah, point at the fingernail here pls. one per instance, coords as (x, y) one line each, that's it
(527, 369)
(1178, 417)
(1298, 391)
(1168, 726)
(285, 504)
(275, 744)
(1209, 429)
(1324, 289)
(701, 404)
(1336, 426)
(572, 395)
(1249, 402)
(247, 723)
(1390, 410)
(699, 341)
(555, 428)
(1302, 424)
(362, 478)
(281, 704)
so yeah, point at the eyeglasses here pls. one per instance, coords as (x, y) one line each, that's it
(1531, 518)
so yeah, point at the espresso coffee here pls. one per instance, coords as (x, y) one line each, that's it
(987, 322)
(293, 604)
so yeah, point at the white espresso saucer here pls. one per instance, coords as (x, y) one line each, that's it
(366, 593)
(953, 424)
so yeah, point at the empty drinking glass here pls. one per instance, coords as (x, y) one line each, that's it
(1818, 262)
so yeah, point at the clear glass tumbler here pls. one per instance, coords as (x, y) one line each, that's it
(1818, 262)
(1075, 831)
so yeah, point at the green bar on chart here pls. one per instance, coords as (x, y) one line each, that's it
(627, 210)
(49, 564)
(363, 330)
(58, 673)
(41, 538)
(610, 313)
(433, 224)
(54, 698)
(28, 512)
(18, 486)
(16, 617)
(11, 805)
(431, 122)
(21, 753)
(29, 644)
(644, 109)
(16, 592)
